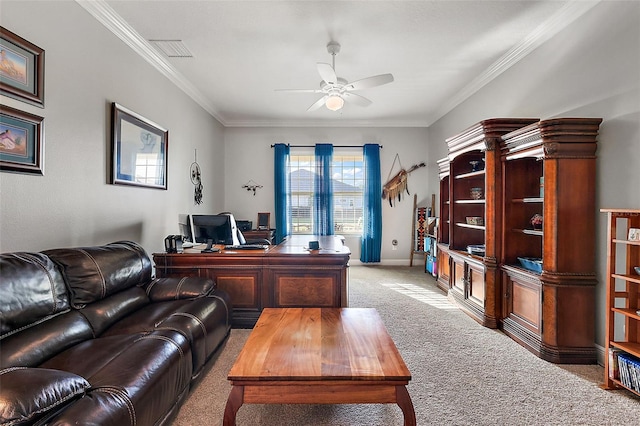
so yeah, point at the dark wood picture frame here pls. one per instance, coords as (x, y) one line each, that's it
(21, 69)
(21, 141)
(264, 221)
(139, 150)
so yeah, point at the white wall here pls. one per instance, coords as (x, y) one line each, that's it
(249, 151)
(87, 68)
(591, 69)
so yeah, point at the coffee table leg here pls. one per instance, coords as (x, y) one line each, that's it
(404, 402)
(234, 402)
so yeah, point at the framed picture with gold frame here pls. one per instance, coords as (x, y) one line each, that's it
(21, 69)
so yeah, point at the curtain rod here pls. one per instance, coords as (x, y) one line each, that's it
(335, 146)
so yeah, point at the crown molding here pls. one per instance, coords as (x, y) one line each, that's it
(565, 16)
(325, 123)
(105, 14)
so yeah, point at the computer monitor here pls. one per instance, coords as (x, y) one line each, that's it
(212, 227)
(186, 230)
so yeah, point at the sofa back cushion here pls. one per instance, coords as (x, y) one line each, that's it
(93, 273)
(31, 290)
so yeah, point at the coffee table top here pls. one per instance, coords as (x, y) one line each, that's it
(319, 344)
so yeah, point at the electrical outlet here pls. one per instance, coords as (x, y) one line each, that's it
(394, 245)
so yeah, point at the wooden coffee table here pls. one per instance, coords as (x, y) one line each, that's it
(319, 356)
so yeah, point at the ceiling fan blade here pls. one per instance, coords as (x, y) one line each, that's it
(369, 82)
(317, 104)
(327, 73)
(356, 99)
(299, 90)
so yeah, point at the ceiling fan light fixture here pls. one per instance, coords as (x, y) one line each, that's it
(334, 102)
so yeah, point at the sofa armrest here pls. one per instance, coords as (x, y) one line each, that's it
(29, 393)
(163, 289)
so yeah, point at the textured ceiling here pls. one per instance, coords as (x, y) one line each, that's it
(439, 52)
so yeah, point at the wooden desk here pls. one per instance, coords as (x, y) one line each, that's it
(282, 276)
(319, 356)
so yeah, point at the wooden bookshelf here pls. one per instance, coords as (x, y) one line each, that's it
(623, 294)
(474, 166)
(550, 312)
(444, 260)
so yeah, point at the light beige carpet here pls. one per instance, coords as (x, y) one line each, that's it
(462, 373)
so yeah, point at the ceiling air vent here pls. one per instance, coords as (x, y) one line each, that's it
(172, 48)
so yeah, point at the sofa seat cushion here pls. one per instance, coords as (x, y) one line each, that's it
(35, 344)
(87, 358)
(93, 273)
(107, 312)
(138, 385)
(145, 319)
(32, 289)
(29, 393)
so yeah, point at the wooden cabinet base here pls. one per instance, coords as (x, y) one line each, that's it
(550, 314)
(473, 287)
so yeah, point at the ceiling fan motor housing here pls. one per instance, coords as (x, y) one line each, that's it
(333, 47)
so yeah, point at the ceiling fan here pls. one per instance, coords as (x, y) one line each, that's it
(336, 90)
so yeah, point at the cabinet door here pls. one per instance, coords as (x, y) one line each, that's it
(458, 276)
(523, 302)
(444, 270)
(475, 277)
(243, 287)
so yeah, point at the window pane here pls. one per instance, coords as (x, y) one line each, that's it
(347, 172)
(348, 188)
(301, 175)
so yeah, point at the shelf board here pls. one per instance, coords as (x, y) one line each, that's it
(482, 201)
(464, 225)
(619, 383)
(528, 231)
(631, 243)
(630, 313)
(632, 278)
(629, 347)
(470, 175)
(528, 200)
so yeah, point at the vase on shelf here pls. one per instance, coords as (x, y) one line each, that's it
(536, 221)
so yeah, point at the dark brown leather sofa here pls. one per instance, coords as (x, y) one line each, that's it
(88, 337)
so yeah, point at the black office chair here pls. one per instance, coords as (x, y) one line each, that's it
(238, 237)
(243, 240)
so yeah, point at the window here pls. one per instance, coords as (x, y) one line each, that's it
(348, 184)
(347, 172)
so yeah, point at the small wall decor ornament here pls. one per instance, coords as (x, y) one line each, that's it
(196, 179)
(396, 185)
(252, 186)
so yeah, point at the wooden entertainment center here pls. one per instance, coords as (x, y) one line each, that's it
(516, 249)
(283, 276)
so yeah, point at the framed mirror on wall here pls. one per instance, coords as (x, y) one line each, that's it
(264, 219)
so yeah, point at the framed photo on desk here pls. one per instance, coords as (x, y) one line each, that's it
(264, 220)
